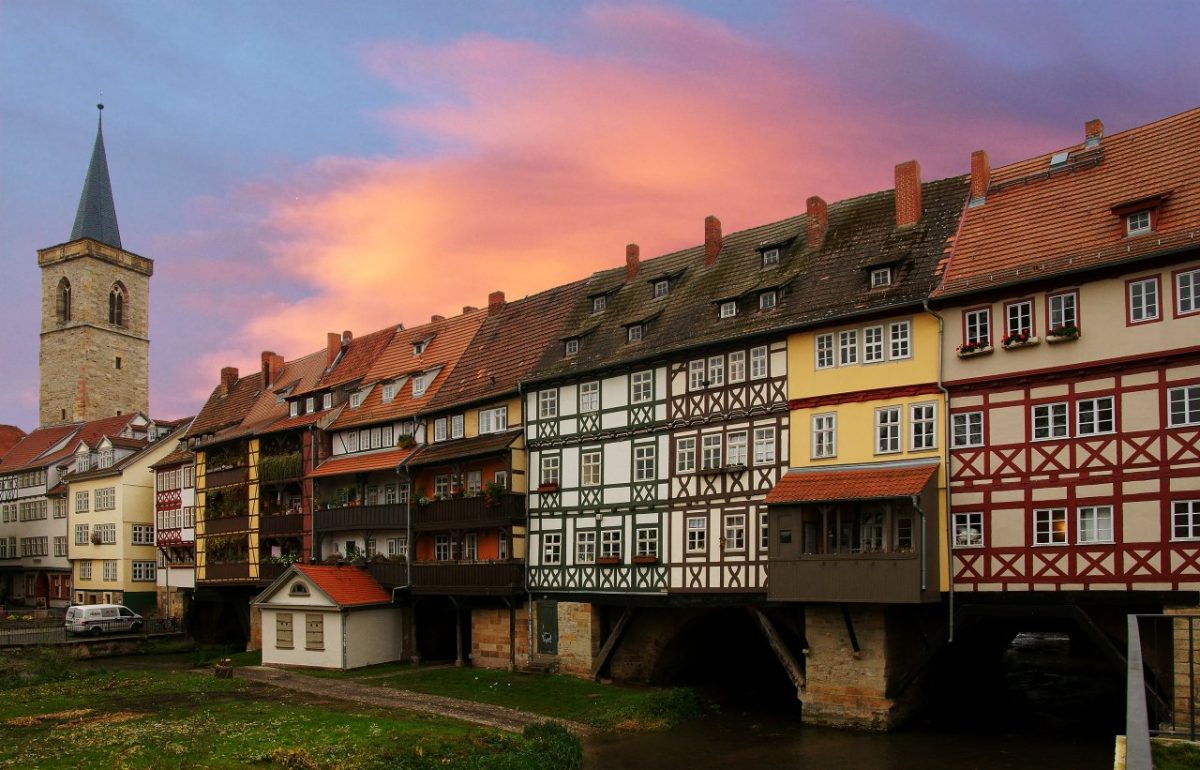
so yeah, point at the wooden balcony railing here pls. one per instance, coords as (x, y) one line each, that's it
(227, 524)
(225, 478)
(390, 574)
(461, 577)
(268, 572)
(283, 524)
(230, 571)
(360, 517)
(864, 577)
(470, 512)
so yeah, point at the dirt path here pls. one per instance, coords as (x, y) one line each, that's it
(462, 710)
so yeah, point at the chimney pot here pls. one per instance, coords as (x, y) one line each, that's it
(981, 175)
(908, 193)
(495, 302)
(1093, 130)
(333, 345)
(632, 261)
(229, 378)
(435, 318)
(818, 220)
(712, 240)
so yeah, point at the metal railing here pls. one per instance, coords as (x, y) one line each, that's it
(1163, 684)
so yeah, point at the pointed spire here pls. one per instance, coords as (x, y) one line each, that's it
(97, 216)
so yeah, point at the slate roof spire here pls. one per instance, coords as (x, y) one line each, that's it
(97, 216)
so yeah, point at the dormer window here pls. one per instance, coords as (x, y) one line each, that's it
(310, 405)
(419, 385)
(1137, 223)
(293, 408)
(633, 333)
(599, 304)
(419, 347)
(356, 399)
(661, 288)
(767, 300)
(881, 277)
(770, 257)
(389, 392)
(298, 589)
(572, 346)
(728, 309)
(106, 458)
(327, 401)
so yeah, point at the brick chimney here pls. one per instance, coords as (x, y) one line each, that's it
(333, 345)
(818, 220)
(632, 261)
(271, 366)
(469, 309)
(495, 302)
(712, 240)
(908, 193)
(1093, 132)
(436, 318)
(346, 337)
(981, 175)
(229, 378)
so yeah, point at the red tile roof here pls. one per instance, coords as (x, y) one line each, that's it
(347, 586)
(365, 461)
(33, 451)
(1036, 223)
(9, 436)
(356, 362)
(816, 484)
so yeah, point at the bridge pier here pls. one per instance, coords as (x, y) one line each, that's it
(1185, 690)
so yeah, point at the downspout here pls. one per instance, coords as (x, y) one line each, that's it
(947, 434)
(528, 531)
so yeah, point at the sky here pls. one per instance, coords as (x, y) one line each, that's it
(305, 167)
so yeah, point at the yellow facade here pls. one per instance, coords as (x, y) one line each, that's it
(517, 482)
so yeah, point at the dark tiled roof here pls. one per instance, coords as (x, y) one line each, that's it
(1034, 223)
(817, 285)
(224, 410)
(463, 448)
(507, 346)
(818, 484)
(96, 217)
(178, 457)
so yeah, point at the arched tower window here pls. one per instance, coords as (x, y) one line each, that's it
(62, 301)
(116, 305)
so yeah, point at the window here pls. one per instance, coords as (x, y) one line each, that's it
(552, 548)
(968, 530)
(763, 540)
(143, 534)
(356, 399)
(824, 435)
(1143, 300)
(770, 257)
(697, 534)
(872, 344)
(589, 397)
(474, 482)
(104, 458)
(716, 371)
(735, 532)
(310, 403)
(1050, 526)
(887, 430)
(767, 300)
(314, 632)
(493, 420)
(1094, 415)
(471, 547)
(848, 347)
(502, 545)
(547, 403)
(106, 498)
(710, 456)
(62, 301)
(1187, 292)
(85, 570)
(110, 570)
(922, 427)
(735, 450)
(599, 303)
(116, 305)
(1018, 318)
(764, 446)
(1185, 520)
(633, 333)
(441, 484)
(1137, 223)
(647, 542)
(590, 467)
(389, 393)
(571, 347)
(824, 351)
(758, 363)
(142, 570)
(550, 468)
(881, 277)
(728, 309)
(283, 630)
(661, 288)
(643, 463)
(1050, 421)
(293, 409)
(81, 534)
(81, 502)
(585, 547)
(419, 347)
(439, 429)
(641, 387)
(967, 429)
(1096, 524)
(456, 426)
(901, 333)
(696, 379)
(441, 547)
(1183, 406)
(611, 543)
(978, 329)
(397, 547)
(1063, 312)
(107, 533)
(737, 366)
(685, 455)
(60, 546)
(419, 385)
(501, 479)
(117, 362)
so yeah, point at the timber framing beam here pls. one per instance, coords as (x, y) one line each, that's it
(610, 643)
(786, 659)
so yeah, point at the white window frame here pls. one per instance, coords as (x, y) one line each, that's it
(599, 303)
(696, 375)
(1044, 530)
(1064, 310)
(900, 340)
(547, 401)
(589, 397)
(662, 288)
(633, 333)
(685, 454)
(439, 429)
(922, 427)
(1185, 519)
(888, 425)
(966, 430)
(550, 469)
(767, 300)
(644, 462)
(848, 347)
(824, 435)
(880, 277)
(736, 448)
(1187, 399)
(1137, 223)
(612, 543)
(728, 309)
(770, 257)
(764, 445)
(456, 426)
(697, 534)
(1144, 304)
(873, 344)
(419, 386)
(823, 351)
(1187, 292)
(1056, 417)
(1018, 317)
(968, 530)
(585, 546)
(647, 542)
(977, 326)
(1094, 524)
(760, 367)
(591, 468)
(641, 387)
(1095, 416)
(735, 532)
(571, 347)
(494, 420)
(716, 371)
(737, 366)
(710, 451)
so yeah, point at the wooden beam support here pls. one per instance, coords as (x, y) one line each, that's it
(610, 643)
(786, 659)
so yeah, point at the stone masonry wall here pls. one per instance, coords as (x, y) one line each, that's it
(845, 688)
(1187, 683)
(490, 642)
(578, 638)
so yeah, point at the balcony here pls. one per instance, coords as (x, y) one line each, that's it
(281, 525)
(225, 478)
(390, 574)
(228, 571)
(882, 578)
(468, 578)
(173, 537)
(269, 572)
(226, 524)
(470, 512)
(280, 467)
(360, 517)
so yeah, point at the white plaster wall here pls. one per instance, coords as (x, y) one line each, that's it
(373, 636)
(330, 657)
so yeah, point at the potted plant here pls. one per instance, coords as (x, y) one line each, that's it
(494, 493)
(406, 441)
(975, 348)
(1063, 333)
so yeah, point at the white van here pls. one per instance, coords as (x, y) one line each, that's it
(96, 619)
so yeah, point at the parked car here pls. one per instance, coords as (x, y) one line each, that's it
(96, 619)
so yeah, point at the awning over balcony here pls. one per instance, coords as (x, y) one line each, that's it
(879, 481)
(363, 462)
(464, 448)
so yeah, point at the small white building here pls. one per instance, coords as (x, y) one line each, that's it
(319, 616)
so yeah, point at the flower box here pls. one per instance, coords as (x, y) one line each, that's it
(645, 560)
(1067, 336)
(544, 488)
(608, 561)
(971, 352)
(1020, 342)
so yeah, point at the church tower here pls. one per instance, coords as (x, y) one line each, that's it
(95, 351)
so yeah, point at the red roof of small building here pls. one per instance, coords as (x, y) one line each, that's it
(347, 586)
(818, 484)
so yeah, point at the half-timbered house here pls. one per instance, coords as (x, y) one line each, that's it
(175, 530)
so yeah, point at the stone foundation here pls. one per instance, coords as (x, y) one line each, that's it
(1185, 656)
(491, 644)
(255, 642)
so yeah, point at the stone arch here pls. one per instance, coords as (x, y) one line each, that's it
(62, 300)
(117, 310)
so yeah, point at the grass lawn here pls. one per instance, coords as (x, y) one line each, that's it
(62, 716)
(1175, 755)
